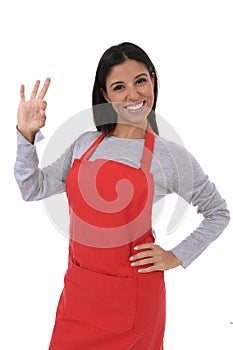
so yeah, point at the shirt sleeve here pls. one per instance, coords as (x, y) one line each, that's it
(35, 183)
(197, 189)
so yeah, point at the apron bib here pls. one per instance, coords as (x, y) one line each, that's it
(106, 303)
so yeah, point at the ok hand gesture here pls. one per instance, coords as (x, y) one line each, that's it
(31, 114)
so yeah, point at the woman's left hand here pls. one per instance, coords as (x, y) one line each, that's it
(154, 254)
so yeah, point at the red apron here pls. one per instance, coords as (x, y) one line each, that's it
(107, 304)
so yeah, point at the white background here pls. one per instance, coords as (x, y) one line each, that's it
(190, 43)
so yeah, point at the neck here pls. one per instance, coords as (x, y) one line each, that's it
(129, 131)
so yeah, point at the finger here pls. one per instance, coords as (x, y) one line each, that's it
(41, 119)
(143, 262)
(43, 105)
(160, 266)
(149, 247)
(42, 113)
(145, 246)
(35, 90)
(44, 89)
(148, 269)
(22, 95)
(141, 255)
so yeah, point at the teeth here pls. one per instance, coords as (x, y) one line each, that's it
(135, 107)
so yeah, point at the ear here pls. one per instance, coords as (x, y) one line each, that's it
(104, 94)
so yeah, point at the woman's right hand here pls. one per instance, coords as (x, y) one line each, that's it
(31, 114)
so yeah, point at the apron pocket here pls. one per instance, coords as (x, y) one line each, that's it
(101, 300)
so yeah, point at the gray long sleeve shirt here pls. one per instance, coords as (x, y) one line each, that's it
(174, 169)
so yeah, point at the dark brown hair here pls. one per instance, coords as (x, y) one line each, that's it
(105, 118)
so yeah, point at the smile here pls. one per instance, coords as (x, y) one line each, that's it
(135, 107)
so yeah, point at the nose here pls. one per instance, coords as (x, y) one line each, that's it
(132, 93)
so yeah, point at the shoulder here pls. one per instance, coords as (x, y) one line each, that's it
(84, 141)
(88, 136)
(175, 162)
(179, 164)
(166, 145)
(172, 152)
(184, 161)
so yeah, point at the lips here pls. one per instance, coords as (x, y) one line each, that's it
(134, 107)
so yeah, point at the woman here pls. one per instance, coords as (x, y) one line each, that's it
(114, 292)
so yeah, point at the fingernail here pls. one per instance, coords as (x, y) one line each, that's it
(135, 248)
(140, 270)
(131, 258)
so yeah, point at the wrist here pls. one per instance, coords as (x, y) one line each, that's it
(27, 134)
(177, 262)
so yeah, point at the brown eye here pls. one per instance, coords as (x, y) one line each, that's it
(141, 81)
(118, 87)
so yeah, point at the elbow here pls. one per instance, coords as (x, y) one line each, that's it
(223, 220)
(29, 191)
(227, 218)
(219, 216)
(28, 197)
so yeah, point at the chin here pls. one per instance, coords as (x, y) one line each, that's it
(134, 117)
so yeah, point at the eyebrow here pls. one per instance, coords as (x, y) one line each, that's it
(121, 82)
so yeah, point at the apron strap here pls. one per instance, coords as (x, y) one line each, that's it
(91, 149)
(148, 148)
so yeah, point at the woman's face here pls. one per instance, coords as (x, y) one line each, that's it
(130, 89)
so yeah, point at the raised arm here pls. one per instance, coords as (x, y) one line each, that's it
(36, 183)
